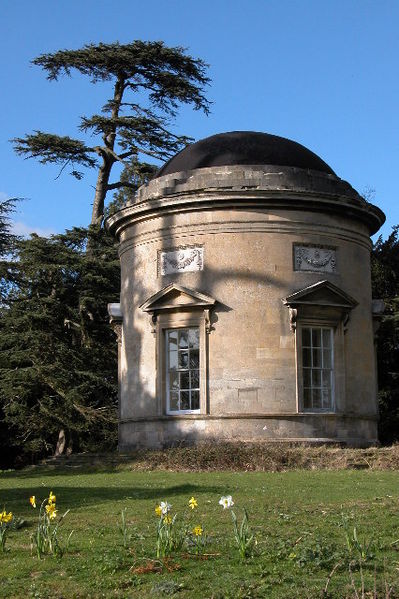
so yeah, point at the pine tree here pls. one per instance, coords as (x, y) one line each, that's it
(7, 246)
(385, 277)
(149, 81)
(58, 362)
(58, 355)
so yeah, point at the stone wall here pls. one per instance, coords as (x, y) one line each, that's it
(244, 235)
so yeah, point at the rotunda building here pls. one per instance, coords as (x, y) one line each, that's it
(245, 310)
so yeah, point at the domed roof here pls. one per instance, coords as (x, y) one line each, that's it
(244, 148)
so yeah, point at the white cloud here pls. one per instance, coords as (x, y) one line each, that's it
(24, 230)
(20, 228)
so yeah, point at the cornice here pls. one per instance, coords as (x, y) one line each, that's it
(246, 188)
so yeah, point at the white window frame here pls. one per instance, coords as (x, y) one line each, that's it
(301, 367)
(169, 411)
(338, 349)
(178, 320)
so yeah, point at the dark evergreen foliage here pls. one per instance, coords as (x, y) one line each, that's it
(385, 277)
(7, 247)
(58, 354)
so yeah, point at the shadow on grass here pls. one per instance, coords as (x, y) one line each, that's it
(44, 471)
(73, 497)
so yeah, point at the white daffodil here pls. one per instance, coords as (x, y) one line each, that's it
(165, 507)
(226, 502)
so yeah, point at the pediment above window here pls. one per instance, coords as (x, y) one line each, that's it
(320, 302)
(175, 297)
(322, 293)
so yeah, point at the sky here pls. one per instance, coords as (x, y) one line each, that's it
(321, 72)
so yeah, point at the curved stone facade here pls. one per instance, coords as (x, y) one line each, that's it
(267, 268)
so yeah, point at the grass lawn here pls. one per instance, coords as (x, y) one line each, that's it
(296, 517)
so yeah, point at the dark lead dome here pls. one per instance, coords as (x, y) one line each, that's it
(244, 147)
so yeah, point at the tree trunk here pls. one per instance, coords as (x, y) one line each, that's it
(101, 189)
(107, 154)
(60, 447)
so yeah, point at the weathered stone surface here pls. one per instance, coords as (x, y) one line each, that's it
(247, 221)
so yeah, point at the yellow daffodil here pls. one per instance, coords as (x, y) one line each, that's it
(32, 501)
(51, 498)
(51, 511)
(4, 517)
(158, 510)
(198, 530)
(193, 503)
(167, 519)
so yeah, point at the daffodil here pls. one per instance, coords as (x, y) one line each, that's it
(198, 530)
(158, 510)
(51, 511)
(165, 507)
(51, 498)
(167, 519)
(193, 503)
(4, 517)
(4, 520)
(32, 501)
(226, 502)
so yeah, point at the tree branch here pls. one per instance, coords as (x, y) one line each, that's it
(127, 154)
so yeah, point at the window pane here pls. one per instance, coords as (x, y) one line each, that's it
(316, 353)
(326, 379)
(185, 400)
(326, 358)
(316, 337)
(317, 371)
(174, 400)
(173, 381)
(316, 378)
(307, 377)
(185, 380)
(307, 357)
(307, 398)
(326, 396)
(183, 373)
(193, 338)
(183, 339)
(194, 358)
(172, 340)
(183, 359)
(316, 398)
(195, 400)
(194, 379)
(173, 360)
(327, 338)
(305, 337)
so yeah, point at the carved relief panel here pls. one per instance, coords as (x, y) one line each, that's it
(181, 259)
(315, 258)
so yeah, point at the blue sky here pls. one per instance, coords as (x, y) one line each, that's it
(321, 72)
